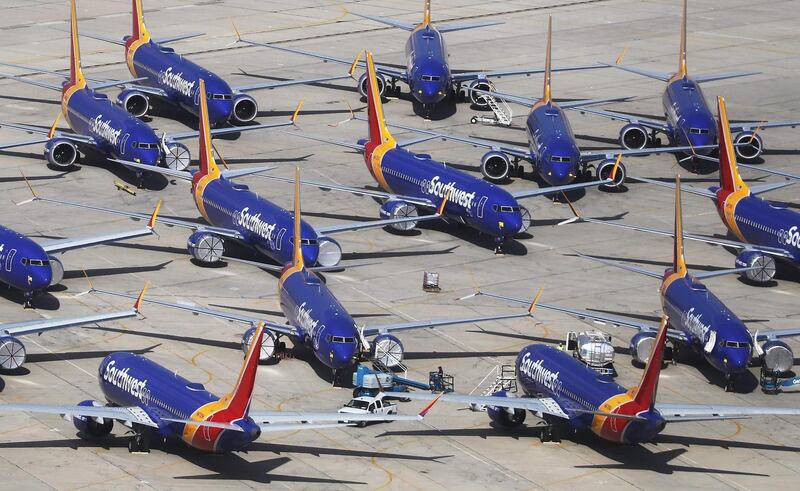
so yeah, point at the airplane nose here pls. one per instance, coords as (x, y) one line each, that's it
(736, 360)
(219, 111)
(38, 278)
(342, 355)
(559, 174)
(430, 93)
(310, 253)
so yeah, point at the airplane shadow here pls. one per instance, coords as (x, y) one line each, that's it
(597, 139)
(652, 262)
(69, 275)
(52, 102)
(536, 339)
(269, 160)
(151, 181)
(32, 178)
(83, 355)
(173, 337)
(352, 256)
(326, 85)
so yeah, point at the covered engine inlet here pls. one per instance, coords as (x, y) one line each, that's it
(594, 349)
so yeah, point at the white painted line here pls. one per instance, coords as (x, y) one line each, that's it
(716, 34)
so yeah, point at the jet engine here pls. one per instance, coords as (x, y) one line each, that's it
(642, 344)
(206, 247)
(388, 350)
(268, 344)
(91, 426)
(748, 145)
(763, 266)
(245, 108)
(12, 353)
(60, 153)
(399, 209)
(362, 84)
(604, 170)
(777, 356)
(633, 136)
(505, 417)
(527, 216)
(495, 166)
(330, 252)
(176, 155)
(476, 98)
(57, 271)
(133, 101)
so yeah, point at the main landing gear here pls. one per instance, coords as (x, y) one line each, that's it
(138, 443)
(551, 432)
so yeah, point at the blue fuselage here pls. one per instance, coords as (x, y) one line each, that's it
(709, 326)
(265, 226)
(474, 202)
(557, 156)
(689, 118)
(327, 328)
(115, 132)
(180, 79)
(127, 379)
(24, 265)
(545, 371)
(429, 78)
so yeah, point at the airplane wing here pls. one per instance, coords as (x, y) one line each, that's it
(675, 413)
(172, 222)
(94, 85)
(754, 190)
(760, 125)
(475, 74)
(286, 329)
(44, 131)
(407, 26)
(461, 26)
(611, 153)
(405, 326)
(177, 37)
(43, 325)
(355, 190)
(711, 77)
(759, 335)
(543, 405)
(629, 118)
(64, 245)
(183, 135)
(382, 69)
(351, 226)
(187, 176)
(287, 83)
(530, 101)
(149, 90)
(663, 76)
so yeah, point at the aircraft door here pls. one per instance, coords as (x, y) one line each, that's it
(279, 239)
(481, 205)
(122, 143)
(10, 259)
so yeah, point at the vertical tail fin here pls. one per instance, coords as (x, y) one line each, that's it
(297, 255)
(426, 14)
(645, 393)
(75, 72)
(678, 261)
(378, 133)
(208, 166)
(682, 55)
(238, 400)
(546, 94)
(139, 31)
(729, 178)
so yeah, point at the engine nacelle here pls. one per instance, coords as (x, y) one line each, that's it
(57, 271)
(527, 216)
(12, 353)
(778, 356)
(206, 247)
(399, 209)
(362, 84)
(495, 166)
(507, 418)
(245, 108)
(330, 252)
(476, 98)
(90, 426)
(604, 170)
(641, 346)
(633, 137)
(134, 102)
(177, 156)
(268, 344)
(763, 266)
(748, 145)
(60, 153)
(388, 350)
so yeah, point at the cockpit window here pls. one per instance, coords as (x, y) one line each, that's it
(304, 241)
(35, 262)
(698, 131)
(342, 339)
(558, 158)
(430, 78)
(737, 344)
(146, 146)
(220, 97)
(505, 209)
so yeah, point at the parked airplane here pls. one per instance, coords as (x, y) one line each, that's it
(412, 181)
(100, 125)
(151, 399)
(553, 150)
(233, 212)
(568, 394)
(766, 232)
(319, 322)
(12, 351)
(173, 78)
(31, 267)
(688, 119)
(698, 319)
(429, 77)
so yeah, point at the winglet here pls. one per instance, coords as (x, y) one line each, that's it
(616, 166)
(577, 216)
(88, 280)
(621, 54)
(353, 67)
(154, 216)
(440, 210)
(236, 31)
(297, 110)
(427, 408)
(535, 301)
(138, 304)
(52, 132)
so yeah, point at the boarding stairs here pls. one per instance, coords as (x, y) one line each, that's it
(505, 380)
(500, 108)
